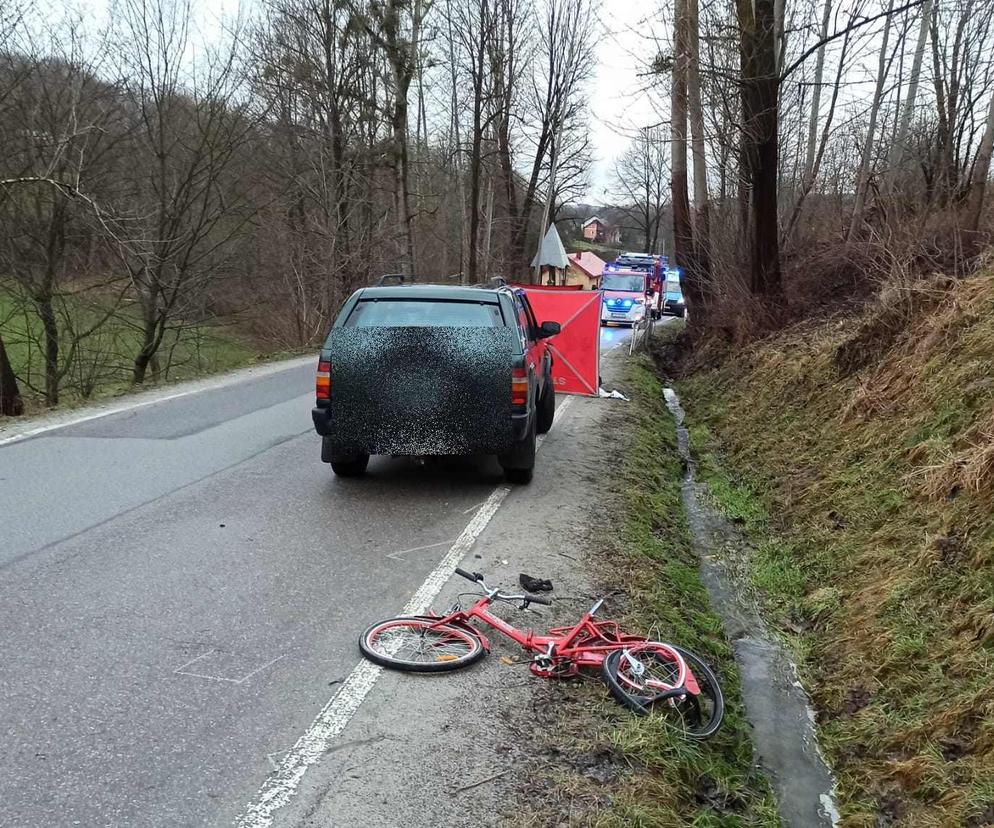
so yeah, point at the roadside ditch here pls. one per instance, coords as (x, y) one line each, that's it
(600, 765)
(777, 707)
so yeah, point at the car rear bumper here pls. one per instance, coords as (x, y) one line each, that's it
(321, 418)
(519, 426)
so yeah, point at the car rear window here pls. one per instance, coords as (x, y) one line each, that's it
(424, 313)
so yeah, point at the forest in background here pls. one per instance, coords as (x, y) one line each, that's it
(158, 187)
(154, 183)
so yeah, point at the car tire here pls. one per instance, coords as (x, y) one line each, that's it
(519, 462)
(546, 413)
(519, 477)
(353, 466)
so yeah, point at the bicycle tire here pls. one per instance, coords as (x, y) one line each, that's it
(452, 648)
(698, 721)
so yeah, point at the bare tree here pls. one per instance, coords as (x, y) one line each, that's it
(863, 173)
(183, 202)
(66, 121)
(562, 68)
(901, 137)
(396, 27)
(809, 159)
(641, 179)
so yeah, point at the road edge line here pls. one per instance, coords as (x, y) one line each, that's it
(154, 397)
(281, 785)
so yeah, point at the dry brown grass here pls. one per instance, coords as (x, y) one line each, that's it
(877, 477)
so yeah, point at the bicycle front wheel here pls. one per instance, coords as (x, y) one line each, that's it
(420, 645)
(644, 683)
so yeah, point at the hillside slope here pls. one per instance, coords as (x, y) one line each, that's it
(860, 455)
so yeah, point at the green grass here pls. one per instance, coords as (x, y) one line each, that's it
(99, 337)
(709, 784)
(868, 498)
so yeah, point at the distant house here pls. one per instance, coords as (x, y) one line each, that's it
(585, 269)
(595, 229)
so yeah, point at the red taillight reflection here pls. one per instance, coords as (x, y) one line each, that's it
(322, 385)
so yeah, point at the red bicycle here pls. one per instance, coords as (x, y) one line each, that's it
(645, 676)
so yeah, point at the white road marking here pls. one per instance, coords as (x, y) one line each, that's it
(154, 398)
(396, 555)
(281, 785)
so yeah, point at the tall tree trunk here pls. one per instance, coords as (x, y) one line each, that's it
(488, 232)
(981, 171)
(863, 174)
(341, 253)
(457, 148)
(760, 117)
(475, 169)
(403, 179)
(702, 198)
(683, 234)
(50, 326)
(809, 158)
(943, 127)
(11, 404)
(901, 139)
(779, 33)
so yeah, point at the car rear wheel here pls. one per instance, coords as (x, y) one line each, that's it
(546, 410)
(519, 462)
(353, 466)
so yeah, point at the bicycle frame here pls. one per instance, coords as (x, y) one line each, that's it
(564, 651)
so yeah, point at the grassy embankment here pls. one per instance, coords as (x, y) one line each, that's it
(672, 783)
(100, 364)
(860, 456)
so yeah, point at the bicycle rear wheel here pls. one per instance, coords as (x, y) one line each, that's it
(420, 645)
(648, 688)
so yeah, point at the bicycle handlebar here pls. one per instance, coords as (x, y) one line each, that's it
(477, 578)
(469, 576)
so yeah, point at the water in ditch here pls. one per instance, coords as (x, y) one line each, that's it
(783, 724)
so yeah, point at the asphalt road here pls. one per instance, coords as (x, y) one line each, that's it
(181, 587)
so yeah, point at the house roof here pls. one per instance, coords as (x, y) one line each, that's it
(590, 263)
(592, 219)
(552, 254)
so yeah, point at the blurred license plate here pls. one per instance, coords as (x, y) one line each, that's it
(618, 315)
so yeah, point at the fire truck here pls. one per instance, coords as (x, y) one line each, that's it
(631, 287)
(662, 293)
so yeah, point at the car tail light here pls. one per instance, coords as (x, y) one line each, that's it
(322, 385)
(519, 386)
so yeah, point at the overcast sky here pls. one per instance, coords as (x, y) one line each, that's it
(619, 101)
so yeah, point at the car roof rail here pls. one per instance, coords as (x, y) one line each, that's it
(491, 283)
(399, 278)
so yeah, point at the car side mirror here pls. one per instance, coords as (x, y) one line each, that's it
(547, 329)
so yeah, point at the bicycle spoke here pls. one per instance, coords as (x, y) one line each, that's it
(418, 642)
